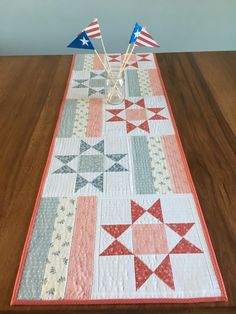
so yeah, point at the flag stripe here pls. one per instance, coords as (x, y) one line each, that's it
(143, 36)
(143, 42)
(93, 23)
(94, 34)
(98, 35)
(92, 29)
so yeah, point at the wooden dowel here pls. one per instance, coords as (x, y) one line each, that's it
(111, 78)
(126, 53)
(105, 52)
(122, 69)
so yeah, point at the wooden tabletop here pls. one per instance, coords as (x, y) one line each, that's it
(202, 93)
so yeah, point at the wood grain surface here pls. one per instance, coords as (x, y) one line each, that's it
(202, 92)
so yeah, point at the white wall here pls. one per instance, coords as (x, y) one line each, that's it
(47, 26)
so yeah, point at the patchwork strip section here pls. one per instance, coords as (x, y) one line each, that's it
(144, 182)
(79, 283)
(160, 173)
(179, 178)
(33, 274)
(95, 121)
(82, 117)
(54, 280)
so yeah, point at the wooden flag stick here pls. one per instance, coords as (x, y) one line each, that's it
(109, 68)
(122, 70)
(100, 59)
(105, 52)
(111, 78)
(127, 59)
(124, 62)
(126, 53)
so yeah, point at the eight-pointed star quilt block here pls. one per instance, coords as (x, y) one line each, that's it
(151, 237)
(139, 116)
(89, 166)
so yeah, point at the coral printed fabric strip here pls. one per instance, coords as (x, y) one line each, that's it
(117, 219)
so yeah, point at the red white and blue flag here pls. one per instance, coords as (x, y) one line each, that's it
(81, 41)
(145, 40)
(93, 29)
(135, 33)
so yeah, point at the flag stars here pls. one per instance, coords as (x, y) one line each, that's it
(84, 41)
(136, 34)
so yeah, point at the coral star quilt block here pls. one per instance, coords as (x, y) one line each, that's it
(117, 218)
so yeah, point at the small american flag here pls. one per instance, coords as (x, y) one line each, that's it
(81, 41)
(145, 40)
(93, 29)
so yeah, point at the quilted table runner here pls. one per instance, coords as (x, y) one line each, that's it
(117, 219)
